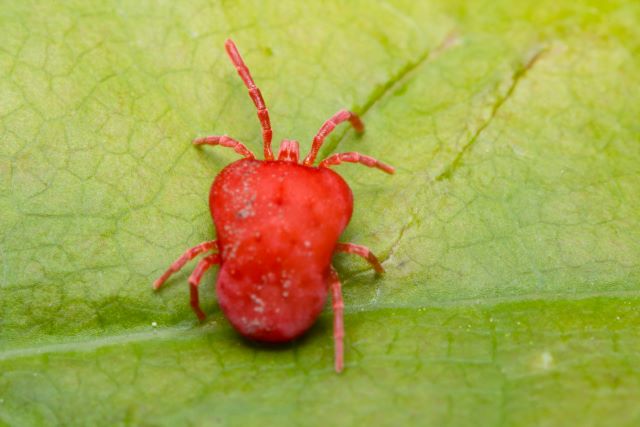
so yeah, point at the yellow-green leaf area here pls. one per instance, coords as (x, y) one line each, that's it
(510, 232)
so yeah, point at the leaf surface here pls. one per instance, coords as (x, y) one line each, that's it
(510, 232)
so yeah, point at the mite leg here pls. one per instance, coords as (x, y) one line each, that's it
(256, 96)
(338, 321)
(184, 258)
(352, 157)
(194, 281)
(225, 141)
(362, 251)
(327, 128)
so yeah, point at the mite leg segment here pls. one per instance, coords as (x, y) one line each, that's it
(362, 251)
(327, 128)
(338, 319)
(194, 281)
(256, 96)
(352, 157)
(225, 141)
(184, 258)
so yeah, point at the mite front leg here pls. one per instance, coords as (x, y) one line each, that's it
(255, 94)
(225, 141)
(184, 258)
(352, 157)
(362, 251)
(338, 319)
(327, 128)
(194, 281)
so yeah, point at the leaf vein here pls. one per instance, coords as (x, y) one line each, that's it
(519, 74)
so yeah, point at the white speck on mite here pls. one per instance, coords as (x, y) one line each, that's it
(259, 303)
(154, 324)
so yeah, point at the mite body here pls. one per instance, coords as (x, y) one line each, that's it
(277, 222)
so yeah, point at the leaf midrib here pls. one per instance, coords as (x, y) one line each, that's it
(184, 332)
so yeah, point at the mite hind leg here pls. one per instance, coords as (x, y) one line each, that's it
(184, 258)
(338, 319)
(194, 281)
(362, 251)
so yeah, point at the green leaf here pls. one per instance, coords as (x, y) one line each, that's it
(510, 232)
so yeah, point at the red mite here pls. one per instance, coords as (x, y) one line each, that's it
(278, 223)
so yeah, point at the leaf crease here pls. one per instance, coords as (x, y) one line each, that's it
(519, 74)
